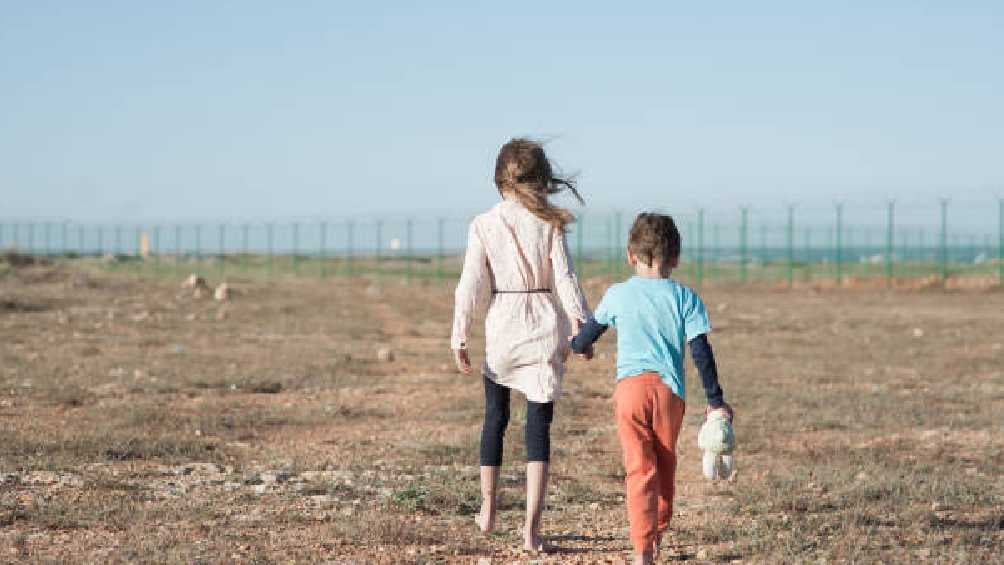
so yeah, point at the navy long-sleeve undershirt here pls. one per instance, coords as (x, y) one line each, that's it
(700, 350)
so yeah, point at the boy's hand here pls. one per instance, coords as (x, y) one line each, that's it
(725, 406)
(587, 355)
(462, 360)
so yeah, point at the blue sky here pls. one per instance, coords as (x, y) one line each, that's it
(121, 110)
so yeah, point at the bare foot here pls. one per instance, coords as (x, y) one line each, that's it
(643, 558)
(533, 542)
(485, 519)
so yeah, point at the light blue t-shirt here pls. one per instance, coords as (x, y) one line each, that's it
(655, 318)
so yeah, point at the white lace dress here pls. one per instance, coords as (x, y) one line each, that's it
(509, 251)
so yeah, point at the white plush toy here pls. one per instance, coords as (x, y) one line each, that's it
(718, 441)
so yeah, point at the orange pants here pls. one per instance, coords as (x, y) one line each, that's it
(649, 417)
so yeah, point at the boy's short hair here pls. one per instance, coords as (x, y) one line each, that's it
(654, 238)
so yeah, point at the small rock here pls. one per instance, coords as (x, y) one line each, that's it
(194, 281)
(385, 354)
(260, 489)
(222, 292)
(200, 468)
(917, 332)
(594, 506)
(274, 477)
(938, 507)
(701, 553)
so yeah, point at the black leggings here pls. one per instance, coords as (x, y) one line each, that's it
(538, 426)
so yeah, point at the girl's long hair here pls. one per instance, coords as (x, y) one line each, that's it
(523, 169)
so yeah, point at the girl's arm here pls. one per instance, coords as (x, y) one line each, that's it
(566, 283)
(469, 289)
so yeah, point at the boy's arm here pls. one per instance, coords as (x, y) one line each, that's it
(704, 359)
(587, 336)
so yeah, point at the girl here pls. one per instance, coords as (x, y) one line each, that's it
(518, 250)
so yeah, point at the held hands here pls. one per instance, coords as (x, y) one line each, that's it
(588, 354)
(462, 360)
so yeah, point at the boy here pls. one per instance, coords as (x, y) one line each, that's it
(655, 316)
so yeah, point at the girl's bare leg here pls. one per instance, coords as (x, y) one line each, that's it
(489, 498)
(536, 492)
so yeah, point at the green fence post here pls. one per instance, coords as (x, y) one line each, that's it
(791, 246)
(296, 247)
(848, 250)
(618, 246)
(322, 254)
(178, 251)
(1000, 241)
(889, 243)
(578, 241)
(944, 240)
(700, 247)
(744, 244)
(245, 250)
(838, 235)
(139, 251)
(350, 246)
(408, 249)
(715, 253)
(610, 246)
(223, 250)
(270, 248)
(378, 255)
(810, 262)
(763, 244)
(155, 248)
(440, 248)
(198, 246)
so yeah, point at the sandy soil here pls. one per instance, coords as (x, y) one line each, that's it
(139, 423)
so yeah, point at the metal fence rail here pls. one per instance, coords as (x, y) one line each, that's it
(788, 246)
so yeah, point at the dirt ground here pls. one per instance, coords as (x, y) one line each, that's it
(139, 423)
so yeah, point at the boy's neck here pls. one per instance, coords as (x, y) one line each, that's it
(654, 271)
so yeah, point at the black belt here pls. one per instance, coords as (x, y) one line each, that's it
(531, 291)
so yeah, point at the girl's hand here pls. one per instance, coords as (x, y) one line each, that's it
(462, 360)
